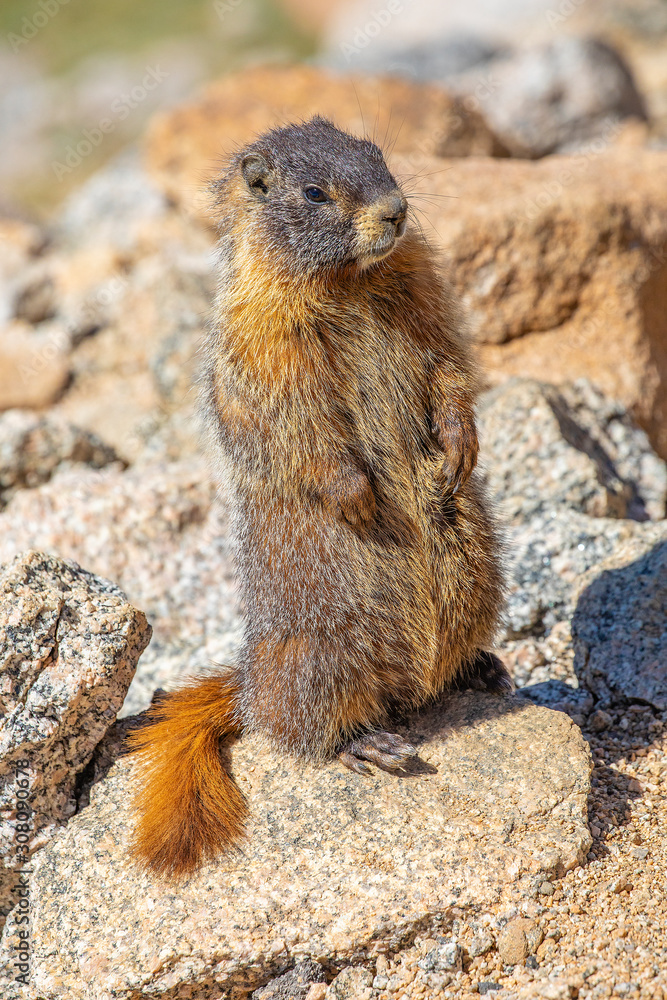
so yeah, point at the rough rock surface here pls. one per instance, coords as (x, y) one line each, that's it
(293, 985)
(111, 208)
(69, 644)
(434, 60)
(587, 613)
(21, 244)
(545, 448)
(154, 529)
(129, 287)
(562, 265)
(550, 555)
(577, 702)
(497, 804)
(148, 308)
(420, 21)
(185, 146)
(619, 628)
(33, 446)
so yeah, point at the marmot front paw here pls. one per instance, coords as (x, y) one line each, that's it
(457, 438)
(350, 498)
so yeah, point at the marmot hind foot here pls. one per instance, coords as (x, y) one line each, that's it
(487, 673)
(386, 750)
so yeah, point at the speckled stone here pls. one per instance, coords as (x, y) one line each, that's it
(619, 628)
(569, 447)
(337, 867)
(69, 645)
(34, 445)
(549, 556)
(157, 532)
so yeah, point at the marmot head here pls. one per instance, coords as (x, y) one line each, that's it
(318, 198)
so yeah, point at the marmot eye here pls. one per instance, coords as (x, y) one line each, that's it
(314, 194)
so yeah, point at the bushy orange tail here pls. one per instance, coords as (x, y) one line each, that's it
(189, 807)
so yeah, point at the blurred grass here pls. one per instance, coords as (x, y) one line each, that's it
(84, 28)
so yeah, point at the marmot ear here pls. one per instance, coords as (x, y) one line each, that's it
(257, 173)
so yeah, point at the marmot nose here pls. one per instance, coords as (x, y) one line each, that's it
(393, 209)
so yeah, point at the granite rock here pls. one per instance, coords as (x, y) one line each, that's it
(292, 985)
(112, 207)
(105, 320)
(436, 60)
(69, 644)
(586, 613)
(549, 557)
(21, 244)
(577, 702)
(619, 627)
(149, 308)
(545, 448)
(35, 299)
(336, 866)
(556, 95)
(351, 983)
(156, 531)
(423, 20)
(34, 446)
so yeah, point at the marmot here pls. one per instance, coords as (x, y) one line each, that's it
(341, 395)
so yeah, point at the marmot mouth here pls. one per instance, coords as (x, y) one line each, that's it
(377, 253)
(379, 250)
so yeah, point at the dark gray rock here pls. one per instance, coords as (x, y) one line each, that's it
(293, 985)
(619, 628)
(550, 555)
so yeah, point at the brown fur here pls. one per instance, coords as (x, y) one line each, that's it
(341, 399)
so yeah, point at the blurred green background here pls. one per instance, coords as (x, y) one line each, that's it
(62, 66)
(83, 28)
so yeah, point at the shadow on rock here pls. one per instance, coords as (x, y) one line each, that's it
(619, 632)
